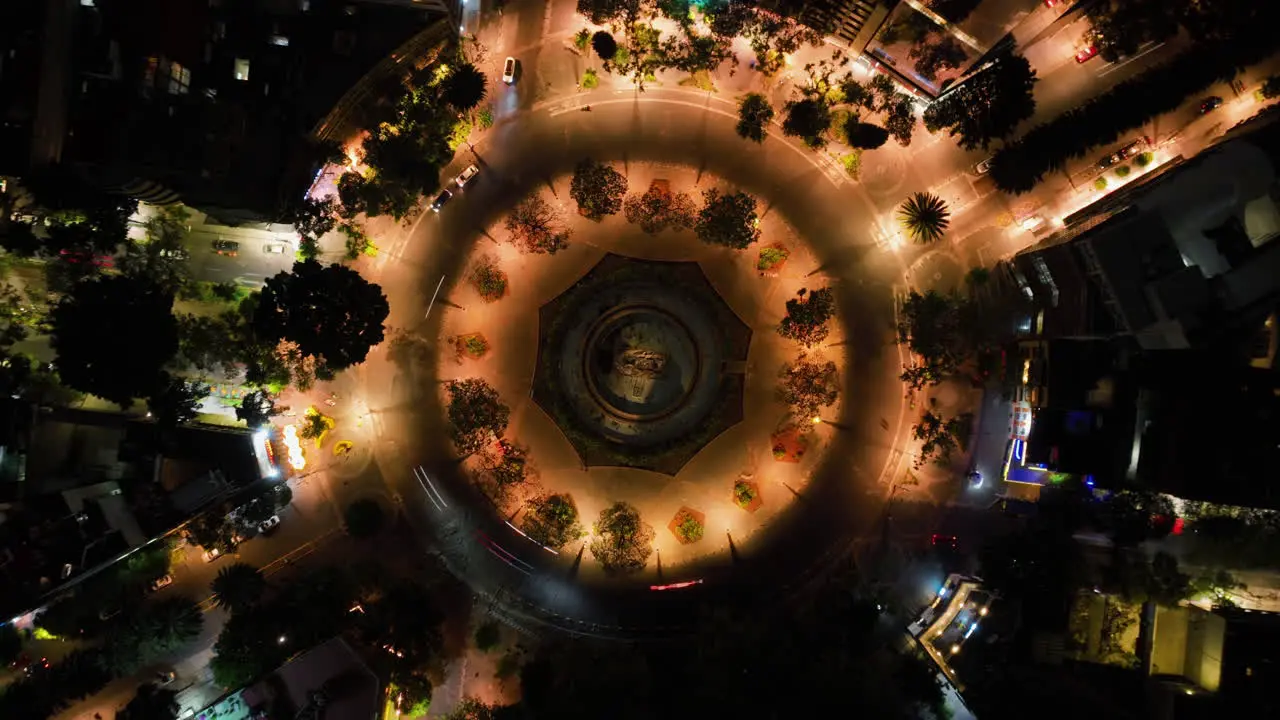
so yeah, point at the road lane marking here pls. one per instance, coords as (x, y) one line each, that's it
(433, 298)
(432, 494)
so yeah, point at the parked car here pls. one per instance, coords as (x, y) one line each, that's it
(273, 248)
(509, 71)
(1132, 149)
(1086, 54)
(444, 197)
(161, 582)
(230, 248)
(164, 677)
(1210, 104)
(266, 526)
(1108, 160)
(211, 554)
(465, 177)
(983, 167)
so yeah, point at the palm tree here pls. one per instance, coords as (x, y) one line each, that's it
(465, 87)
(925, 217)
(237, 587)
(168, 623)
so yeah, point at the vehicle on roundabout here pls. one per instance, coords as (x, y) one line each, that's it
(466, 176)
(509, 71)
(444, 197)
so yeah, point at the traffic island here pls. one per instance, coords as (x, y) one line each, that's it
(688, 525)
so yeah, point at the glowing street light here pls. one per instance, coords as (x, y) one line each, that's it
(817, 420)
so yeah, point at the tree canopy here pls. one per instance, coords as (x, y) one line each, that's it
(476, 414)
(754, 115)
(807, 316)
(808, 385)
(597, 188)
(536, 227)
(987, 106)
(727, 219)
(622, 541)
(465, 87)
(925, 217)
(659, 208)
(807, 119)
(552, 520)
(113, 335)
(331, 313)
(237, 587)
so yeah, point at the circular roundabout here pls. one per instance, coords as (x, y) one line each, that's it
(642, 370)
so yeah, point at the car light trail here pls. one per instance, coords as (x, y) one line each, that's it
(432, 494)
(503, 554)
(676, 586)
(526, 537)
(296, 459)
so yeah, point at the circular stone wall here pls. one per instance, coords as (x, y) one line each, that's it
(634, 363)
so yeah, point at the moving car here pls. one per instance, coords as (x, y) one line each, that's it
(983, 167)
(273, 249)
(229, 248)
(465, 177)
(266, 526)
(76, 257)
(509, 71)
(1086, 54)
(444, 197)
(211, 554)
(1134, 148)
(1210, 104)
(161, 582)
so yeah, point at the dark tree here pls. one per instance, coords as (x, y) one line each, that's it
(476, 414)
(900, 118)
(622, 541)
(597, 188)
(257, 408)
(151, 703)
(808, 120)
(987, 106)
(940, 436)
(729, 220)
(176, 401)
(808, 385)
(807, 316)
(536, 227)
(945, 53)
(659, 208)
(332, 313)
(363, 518)
(604, 45)
(161, 256)
(313, 218)
(925, 217)
(406, 617)
(507, 466)
(112, 336)
(865, 135)
(552, 520)
(754, 115)
(465, 87)
(606, 12)
(930, 327)
(1120, 27)
(954, 11)
(211, 344)
(238, 587)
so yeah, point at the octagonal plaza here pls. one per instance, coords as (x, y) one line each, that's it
(732, 450)
(640, 363)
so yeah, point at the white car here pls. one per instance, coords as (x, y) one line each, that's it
(211, 554)
(266, 526)
(509, 71)
(466, 175)
(162, 582)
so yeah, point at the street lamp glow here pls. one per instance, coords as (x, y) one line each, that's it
(296, 460)
(280, 640)
(817, 420)
(955, 649)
